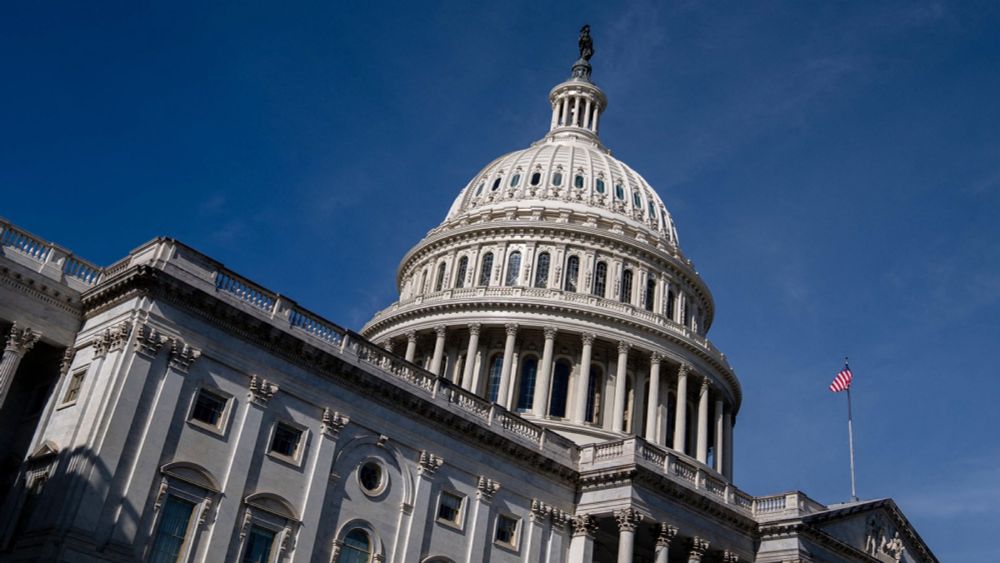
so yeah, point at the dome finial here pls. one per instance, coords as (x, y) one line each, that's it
(581, 68)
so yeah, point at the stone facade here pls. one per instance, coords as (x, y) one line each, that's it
(518, 408)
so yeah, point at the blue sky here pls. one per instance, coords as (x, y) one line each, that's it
(833, 169)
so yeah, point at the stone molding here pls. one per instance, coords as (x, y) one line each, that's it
(655, 358)
(261, 390)
(628, 519)
(623, 347)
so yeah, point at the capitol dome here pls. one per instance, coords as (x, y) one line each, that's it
(555, 288)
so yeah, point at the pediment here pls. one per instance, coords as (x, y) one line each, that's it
(877, 528)
(191, 473)
(269, 502)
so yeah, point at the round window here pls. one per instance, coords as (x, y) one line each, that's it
(371, 478)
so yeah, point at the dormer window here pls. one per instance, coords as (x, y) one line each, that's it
(536, 178)
(636, 200)
(619, 191)
(599, 185)
(557, 179)
(578, 181)
(496, 184)
(479, 190)
(652, 210)
(515, 180)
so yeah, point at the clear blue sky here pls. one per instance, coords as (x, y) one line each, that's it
(833, 168)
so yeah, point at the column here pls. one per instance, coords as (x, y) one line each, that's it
(18, 343)
(565, 110)
(555, 116)
(319, 476)
(427, 464)
(680, 413)
(720, 455)
(470, 356)
(727, 465)
(534, 536)
(540, 402)
(619, 410)
(628, 519)
(653, 401)
(581, 547)
(666, 534)
(586, 114)
(702, 450)
(411, 345)
(561, 524)
(508, 361)
(576, 112)
(698, 548)
(485, 490)
(597, 113)
(440, 331)
(583, 382)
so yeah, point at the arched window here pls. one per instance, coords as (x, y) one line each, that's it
(526, 388)
(687, 314)
(487, 269)
(496, 184)
(439, 282)
(593, 395)
(493, 383)
(356, 548)
(626, 295)
(557, 179)
(636, 200)
(513, 268)
(536, 178)
(515, 180)
(560, 389)
(650, 293)
(599, 185)
(463, 268)
(600, 278)
(572, 271)
(670, 304)
(578, 181)
(542, 270)
(423, 281)
(619, 191)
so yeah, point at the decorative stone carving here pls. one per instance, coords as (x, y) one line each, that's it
(148, 340)
(561, 519)
(539, 511)
(67, 360)
(684, 369)
(623, 347)
(628, 519)
(511, 329)
(19, 341)
(440, 330)
(585, 524)
(203, 518)
(655, 358)
(261, 390)
(882, 537)
(333, 423)
(665, 534)
(588, 338)
(182, 355)
(486, 489)
(382, 441)
(730, 557)
(245, 524)
(428, 463)
(411, 336)
(706, 385)
(550, 332)
(474, 329)
(118, 336)
(161, 493)
(698, 548)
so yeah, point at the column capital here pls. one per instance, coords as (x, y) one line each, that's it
(684, 369)
(665, 534)
(628, 519)
(585, 525)
(149, 340)
(560, 518)
(511, 329)
(588, 338)
(550, 332)
(20, 340)
(411, 336)
(67, 360)
(261, 390)
(474, 328)
(111, 339)
(730, 557)
(623, 347)
(698, 548)
(486, 489)
(182, 355)
(428, 463)
(655, 358)
(440, 331)
(706, 385)
(539, 510)
(333, 423)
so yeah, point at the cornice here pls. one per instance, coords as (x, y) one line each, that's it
(51, 293)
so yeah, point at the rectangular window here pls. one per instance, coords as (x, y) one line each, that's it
(450, 508)
(286, 440)
(507, 530)
(259, 543)
(172, 532)
(75, 384)
(209, 407)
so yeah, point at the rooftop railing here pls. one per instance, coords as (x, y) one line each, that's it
(49, 259)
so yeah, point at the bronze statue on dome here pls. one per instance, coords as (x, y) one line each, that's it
(586, 43)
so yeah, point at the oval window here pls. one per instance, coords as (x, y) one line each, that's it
(515, 180)
(536, 178)
(557, 179)
(496, 184)
(371, 478)
(599, 185)
(578, 181)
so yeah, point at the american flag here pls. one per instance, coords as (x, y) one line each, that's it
(842, 381)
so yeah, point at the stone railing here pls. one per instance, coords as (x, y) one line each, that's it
(51, 260)
(785, 505)
(661, 322)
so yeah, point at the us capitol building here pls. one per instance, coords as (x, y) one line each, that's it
(543, 391)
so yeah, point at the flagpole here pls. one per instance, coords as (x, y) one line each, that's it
(850, 440)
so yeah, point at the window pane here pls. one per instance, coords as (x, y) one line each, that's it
(526, 390)
(599, 185)
(557, 179)
(208, 407)
(170, 535)
(578, 181)
(650, 293)
(356, 548)
(542, 273)
(496, 184)
(626, 296)
(286, 440)
(259, 543)
(600, 279)
(536, 178)
(515, 180)
(450, 507)
(506, 530)
(439, 283)
(560, 389)
(487, 271)
(493, 390)
(75, 383)
(463, 267)
(572, 271)
(592, 394)
(513, 268)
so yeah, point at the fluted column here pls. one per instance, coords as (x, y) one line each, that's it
(470, 356)
(653, 400)
(441, 332)
(720, 455)
(628, 519)
(583, 382)
(666, 534)
(619, 410)
(540, 402)
(508, 361)
(702, 450)
(19, 341)
(411, 345)
(698, 548)
(680, 413)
